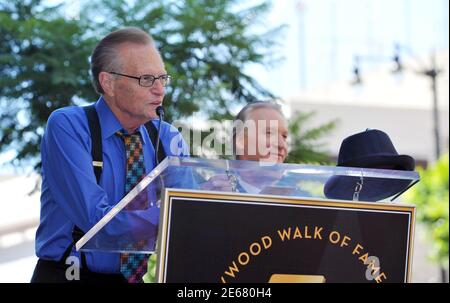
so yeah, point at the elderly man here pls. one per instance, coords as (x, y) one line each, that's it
(77, 188)
(260, 134)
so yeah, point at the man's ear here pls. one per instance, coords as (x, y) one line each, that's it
(107, 82)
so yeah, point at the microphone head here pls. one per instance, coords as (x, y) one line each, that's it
(160, 111)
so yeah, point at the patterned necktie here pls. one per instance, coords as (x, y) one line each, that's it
(134, 266)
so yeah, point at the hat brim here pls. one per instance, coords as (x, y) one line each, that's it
(373, 189)
(398, 162)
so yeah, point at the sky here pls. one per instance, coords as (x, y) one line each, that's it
(323, 37)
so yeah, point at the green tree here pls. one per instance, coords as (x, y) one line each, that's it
(44, 58)
(206, 44)
(43, 66)
(432, 200)
(305, 143)
(44, 62)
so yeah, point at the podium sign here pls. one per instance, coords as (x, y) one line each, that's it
(277, 223)
(233, 237)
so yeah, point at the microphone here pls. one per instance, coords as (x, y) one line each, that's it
(160, 113)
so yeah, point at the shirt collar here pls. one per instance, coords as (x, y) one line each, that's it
(110, 124)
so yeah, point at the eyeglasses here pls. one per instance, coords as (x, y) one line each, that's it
(148, 80)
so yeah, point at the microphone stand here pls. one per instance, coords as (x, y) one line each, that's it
(160, 113)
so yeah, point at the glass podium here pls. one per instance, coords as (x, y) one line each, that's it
(132, 224)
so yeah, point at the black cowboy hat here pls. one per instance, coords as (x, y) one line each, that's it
(370, 149)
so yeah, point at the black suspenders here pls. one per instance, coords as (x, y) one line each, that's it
(96, 138)
(97, 163)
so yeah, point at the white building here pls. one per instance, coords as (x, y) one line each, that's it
(400, 105)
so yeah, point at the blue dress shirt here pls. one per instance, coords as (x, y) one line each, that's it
(70, 193)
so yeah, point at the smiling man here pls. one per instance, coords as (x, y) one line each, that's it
(261, 133)
(78, 188)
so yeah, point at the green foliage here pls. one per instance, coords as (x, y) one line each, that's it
(150, 276)
(305, 145)
(205, 45)
(44, 62)
(43, 66)
(432, 200)
(44, 58)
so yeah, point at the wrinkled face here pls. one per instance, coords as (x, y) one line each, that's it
(134, 101)
(267, 141)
